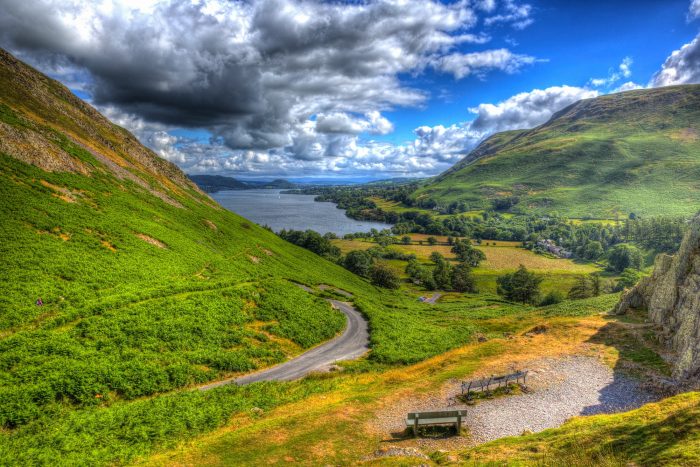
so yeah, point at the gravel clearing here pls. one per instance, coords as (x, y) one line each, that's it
(558, 390)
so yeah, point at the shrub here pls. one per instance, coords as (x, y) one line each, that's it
(359, 262)
(384, 277)
(624, 256)
(552, 298)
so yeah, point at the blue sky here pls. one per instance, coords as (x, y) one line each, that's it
(356, 90)
(579, 40)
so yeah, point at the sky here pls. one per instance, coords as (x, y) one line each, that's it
(352, 90)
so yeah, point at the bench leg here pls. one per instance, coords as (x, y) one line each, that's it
(459, 425)
(415, 427)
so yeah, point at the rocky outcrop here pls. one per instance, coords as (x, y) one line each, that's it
(671, 295)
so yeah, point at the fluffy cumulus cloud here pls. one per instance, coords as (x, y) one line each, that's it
(288, 85)
(681, 67)
(527, 109)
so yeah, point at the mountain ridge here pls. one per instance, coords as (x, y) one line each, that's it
(619, 152)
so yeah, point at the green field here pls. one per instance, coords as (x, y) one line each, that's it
(634, 152)
(501, 257)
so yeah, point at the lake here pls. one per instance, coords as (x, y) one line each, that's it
(296, 212)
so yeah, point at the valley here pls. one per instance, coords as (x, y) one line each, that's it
(146, 319)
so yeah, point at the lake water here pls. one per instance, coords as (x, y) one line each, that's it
(296, 212)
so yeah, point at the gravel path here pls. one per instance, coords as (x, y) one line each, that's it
(559, 389)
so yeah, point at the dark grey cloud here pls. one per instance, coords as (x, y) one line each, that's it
(281, 85)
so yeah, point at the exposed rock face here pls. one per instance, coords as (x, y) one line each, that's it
(672, 297)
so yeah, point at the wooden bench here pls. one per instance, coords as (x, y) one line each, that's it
(485, 384)
(445, 417)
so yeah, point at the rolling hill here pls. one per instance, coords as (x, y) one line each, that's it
(214, 183)
(632, 152)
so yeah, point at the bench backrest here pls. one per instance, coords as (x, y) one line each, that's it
(485, 382)
(433, 415)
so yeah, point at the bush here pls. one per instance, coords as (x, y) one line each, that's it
(624, 256)
(628, 278)
(463, 280)
(466, 253)
(552, 298)
(384, 277)
(358, 261)
(520, 286)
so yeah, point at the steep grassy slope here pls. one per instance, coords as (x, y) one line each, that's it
(637, 151)
(147, 285)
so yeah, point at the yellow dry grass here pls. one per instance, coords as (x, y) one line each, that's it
(337, 427)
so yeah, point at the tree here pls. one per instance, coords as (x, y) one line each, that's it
(432, 240)
(625, 256)
(520, 286)
(442, 272)
(384, 277)
(582, 288)
(466, 253)
(436, 257)
(406, 240)
(593, 250)
(462, 279)
(586, 287)
(359, 262)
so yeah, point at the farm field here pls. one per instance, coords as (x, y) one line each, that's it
(501, 257)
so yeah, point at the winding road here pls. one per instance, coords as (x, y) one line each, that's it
(351, 344)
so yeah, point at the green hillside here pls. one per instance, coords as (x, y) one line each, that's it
(147, 284)
(636, 151)
(149, 289)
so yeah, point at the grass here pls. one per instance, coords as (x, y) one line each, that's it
(559, 274)
(337, 426)
(150, 289)
(598, 160)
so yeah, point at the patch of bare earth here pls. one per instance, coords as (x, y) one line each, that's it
(253, 259)
(151, 240)
(63, 193)
(557, 389)
(211, 225)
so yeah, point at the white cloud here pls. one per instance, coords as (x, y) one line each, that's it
(519, 16)
(462, 65)
(694, 11)
(624, 70)
(527, 109)
(681, 67)
(628, 86)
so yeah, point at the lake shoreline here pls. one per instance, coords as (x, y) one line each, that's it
(278, 209)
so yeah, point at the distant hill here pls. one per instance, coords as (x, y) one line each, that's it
(632, 152)
(214, 183)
